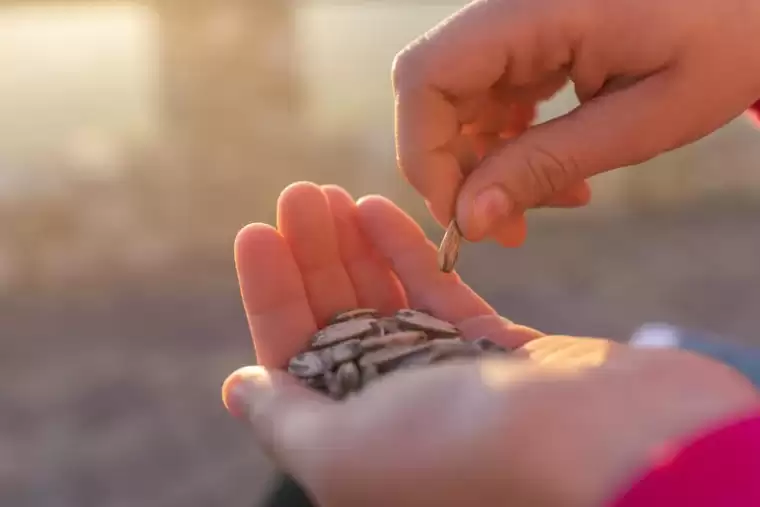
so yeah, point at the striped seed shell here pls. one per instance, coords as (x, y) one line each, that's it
(342, 331)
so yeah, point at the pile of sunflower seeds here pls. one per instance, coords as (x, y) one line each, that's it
(359, 346)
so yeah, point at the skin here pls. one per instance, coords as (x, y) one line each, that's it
(565, 421)
(650, 75)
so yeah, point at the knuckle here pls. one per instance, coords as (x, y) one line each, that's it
(405, 69)
(546, 173)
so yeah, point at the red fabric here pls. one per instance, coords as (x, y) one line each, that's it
(754, 111)
(721, 469)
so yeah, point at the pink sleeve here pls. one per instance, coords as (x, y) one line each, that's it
(754, 111)
(719, 469)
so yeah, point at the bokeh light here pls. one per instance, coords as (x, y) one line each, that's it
(136, 138)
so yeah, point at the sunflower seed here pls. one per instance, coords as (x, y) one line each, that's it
(344, 351)
(317, 383)
(422, 357)
(359, 347)
(332, 386)
(386, 325)
(341, 332)
(411, 319)
(448, 251)
(451, 348)
(307, 365)
(349, 377)
(385, 359)
(353, 314)
(487, 345)
(392, 340)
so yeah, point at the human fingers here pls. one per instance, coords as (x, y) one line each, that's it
(288, 419)
(306, 222)
(274, 298)
(413, 258)
(375, 284)
(625, 127)
(574, 196)
(482, 45)
(511, 230)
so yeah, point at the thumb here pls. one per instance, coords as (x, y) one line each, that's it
(287, 419)
(623, 127)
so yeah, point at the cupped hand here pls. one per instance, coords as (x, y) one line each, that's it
(568, 422)
(329, 254)
(651, 75)
(564, 422)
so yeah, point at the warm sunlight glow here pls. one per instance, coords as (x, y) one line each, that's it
(69, 68)
(554, 355)
(569, 351)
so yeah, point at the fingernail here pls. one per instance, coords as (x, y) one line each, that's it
(490, 205)
(240, 389)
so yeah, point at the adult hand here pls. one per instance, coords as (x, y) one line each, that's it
(651, 75)
(563, 423)
(570, 425)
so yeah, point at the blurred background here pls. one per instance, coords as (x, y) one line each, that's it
(136, 138)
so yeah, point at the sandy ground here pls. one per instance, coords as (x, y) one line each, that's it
(115, 402)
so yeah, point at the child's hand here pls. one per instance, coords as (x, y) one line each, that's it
(652, 75)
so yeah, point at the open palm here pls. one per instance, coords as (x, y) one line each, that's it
(329, 254)
(500, 431)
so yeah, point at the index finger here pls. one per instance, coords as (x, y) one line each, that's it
(429, 72)
(466, 54)
(413, 258)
